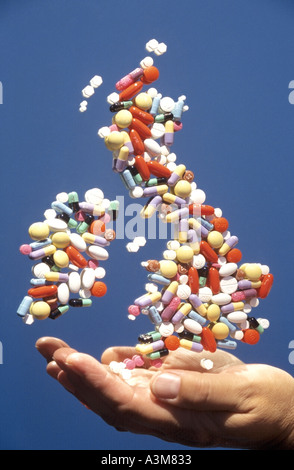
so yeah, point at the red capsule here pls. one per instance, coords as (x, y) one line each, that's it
(193, 280)
(142, 167)
(266, 285)
(208, 340)
(137, 142)
(208, 252)
(130, 91)
(213, 280)
(146, 118)
(42, 291)
(201, 209)
(159, 170)
(141, 128)
(76, 257)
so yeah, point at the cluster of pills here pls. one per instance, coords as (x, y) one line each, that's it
(198, 296)
(67, 248)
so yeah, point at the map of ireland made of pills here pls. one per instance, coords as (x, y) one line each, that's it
(200, 295)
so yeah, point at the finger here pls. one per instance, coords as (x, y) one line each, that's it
(225, 391)
(118, 354)
(48, 345)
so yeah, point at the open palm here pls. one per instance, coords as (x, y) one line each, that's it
(233, 405)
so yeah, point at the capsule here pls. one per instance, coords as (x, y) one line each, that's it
(130, 91)
(208, 252)
(142, 167)
(266, 285)
(168, 137)
(119, 105)
(58, 312)
(80, 302)
(144, 116)
(43, 291)
(159, 170)
(76, 257)
(46, 251)
(191, 345)
(143, 130)
(197, 304)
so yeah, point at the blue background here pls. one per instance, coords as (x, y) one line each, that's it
(234, 61)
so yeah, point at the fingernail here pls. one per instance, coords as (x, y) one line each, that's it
(166, 386)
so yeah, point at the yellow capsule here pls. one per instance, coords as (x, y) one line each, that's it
(123, 153)
(39, 231)
(185, 308)
(61, 259)
(40, 310)
(60, 239)
(155, 297)
(168, 268)
(173, 287)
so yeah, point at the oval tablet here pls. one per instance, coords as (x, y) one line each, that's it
(78, 242)
(228, 269)
(56, 225)
(63, 293)
(97, 252)
(237, 317)
(221, 299)
(61, 259)
(60, 239)
(74, 282)
(39, 231)
(88, 278)
(193, 326)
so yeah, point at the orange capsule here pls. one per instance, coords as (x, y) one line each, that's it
(147, 118)
(159, 170)
(76, 257)
(250, 336)
(201, 209)
(234, 256)
(99, 289)
(213, 280)
(266, 285)
(137, 142)
(130, 91)
(142, 167)
(42, 291)
(143, 131)
(172, 343)
(221, 224)
(208, 340)
(193, 280)
(208, 252)
(150, 74)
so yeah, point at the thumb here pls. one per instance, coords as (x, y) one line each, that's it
(201, 391)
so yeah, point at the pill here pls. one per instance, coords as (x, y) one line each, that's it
(40, 310)
(60, 239)
(74, 282)
(39, 231)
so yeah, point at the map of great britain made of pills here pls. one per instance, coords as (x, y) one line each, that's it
(199, 296)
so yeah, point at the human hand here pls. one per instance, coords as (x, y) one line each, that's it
(233, 405)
